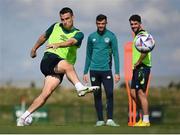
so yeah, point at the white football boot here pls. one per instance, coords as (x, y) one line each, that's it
(86, 90)
(111, 123)
(20, 122)
(100, 123)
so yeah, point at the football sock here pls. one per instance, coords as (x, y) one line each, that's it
(25, 115)
(146, 118)
(140, 113)
(79, 86)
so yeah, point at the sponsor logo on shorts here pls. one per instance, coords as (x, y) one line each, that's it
(137, 86)
(93, 79)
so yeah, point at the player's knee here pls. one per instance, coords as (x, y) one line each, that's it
(68, 67)
(63, 66)
(133, 94)
(141, 93)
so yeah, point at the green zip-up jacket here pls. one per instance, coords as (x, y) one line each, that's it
(99, 51)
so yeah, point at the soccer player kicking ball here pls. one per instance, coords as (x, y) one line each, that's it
(141, 71)
(59, 57)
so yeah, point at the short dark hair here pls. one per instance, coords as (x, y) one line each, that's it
(66, 10)
(101, 17)
(135, 18)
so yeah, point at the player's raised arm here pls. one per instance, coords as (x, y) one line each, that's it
(76, 40)
(69, 42)
(41, 40)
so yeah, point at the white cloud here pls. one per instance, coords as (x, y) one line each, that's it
(160, 15)
(48, 7)
(155, 17)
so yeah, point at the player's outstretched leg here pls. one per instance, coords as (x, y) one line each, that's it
(64, 67)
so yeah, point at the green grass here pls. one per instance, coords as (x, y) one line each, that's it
(87, 128)
(71, 114)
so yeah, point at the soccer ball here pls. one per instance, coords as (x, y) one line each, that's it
(144, 43)
(28, 120)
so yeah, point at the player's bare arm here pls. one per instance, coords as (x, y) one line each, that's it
(69, 42)
(42, 39)
(116, 78)
(141, 58)
(85, 78)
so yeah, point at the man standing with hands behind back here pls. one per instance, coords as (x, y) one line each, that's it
(101, 45)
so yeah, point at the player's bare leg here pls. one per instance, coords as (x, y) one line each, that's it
(68, 69)
(144, 101)
(144, 104)
(50, 83)
(64, 67)
(135, 97)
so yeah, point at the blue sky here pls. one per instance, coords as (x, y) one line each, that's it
(22, 21)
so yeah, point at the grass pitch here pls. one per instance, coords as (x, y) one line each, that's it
(88, 129)
(65, 110)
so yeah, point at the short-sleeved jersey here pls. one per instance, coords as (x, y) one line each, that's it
(99, 51)
(57, 34)
(136, 54)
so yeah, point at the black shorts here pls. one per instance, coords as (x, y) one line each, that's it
(140, 77)
(48, 62)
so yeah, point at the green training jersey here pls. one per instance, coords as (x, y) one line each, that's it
(99, 51)
(136, 54)
(57, 34)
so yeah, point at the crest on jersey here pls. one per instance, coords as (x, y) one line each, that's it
(106, 40)
(93, 40)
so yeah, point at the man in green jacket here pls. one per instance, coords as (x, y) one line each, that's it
(101, 45)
